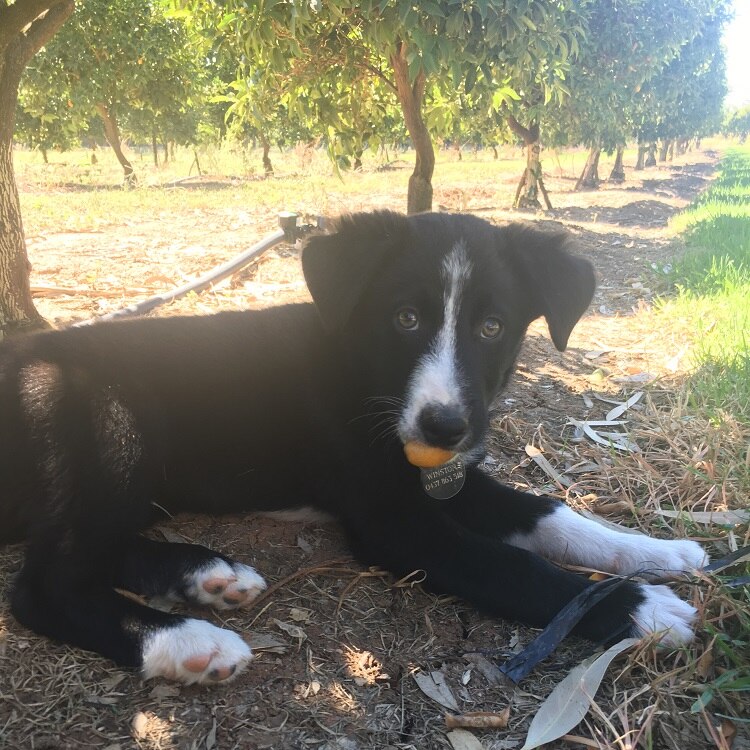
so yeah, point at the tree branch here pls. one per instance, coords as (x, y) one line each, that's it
(523, 133)
(14, 18)
(45, 27)
(379, 73)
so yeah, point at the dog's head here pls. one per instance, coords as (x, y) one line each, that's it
(434, 308)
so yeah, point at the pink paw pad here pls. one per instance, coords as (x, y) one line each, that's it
(216, 586)
(194, 651)
(224, 585)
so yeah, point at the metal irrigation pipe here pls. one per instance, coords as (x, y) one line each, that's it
(288, 232)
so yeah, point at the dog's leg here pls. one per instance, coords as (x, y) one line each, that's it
(551, 529)
(186, 572)
(566, 537)
(411, 533)
(92, 487)
(58, 602)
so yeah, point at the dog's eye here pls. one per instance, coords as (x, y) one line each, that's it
(491, 328)
(408, 319)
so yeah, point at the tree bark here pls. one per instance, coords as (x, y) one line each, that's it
(639, 164)
(651, 155)
(589, 178)
(663, 149)
(112, 134)
(410, 96)
(618, 170)
(25, 27)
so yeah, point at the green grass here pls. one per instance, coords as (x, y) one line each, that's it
(712, 301)
(713, 289)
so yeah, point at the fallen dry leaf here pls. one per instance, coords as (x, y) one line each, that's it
(569, 702)
(434, 686)
(460, 739)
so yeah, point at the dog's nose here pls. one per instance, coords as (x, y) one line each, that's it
(443, 426)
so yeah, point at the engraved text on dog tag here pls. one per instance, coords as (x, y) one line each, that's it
(443, 482)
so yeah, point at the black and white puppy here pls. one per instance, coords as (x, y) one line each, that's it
(415, 327)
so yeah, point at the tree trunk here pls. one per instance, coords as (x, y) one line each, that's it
(196, 163)
(641, 157)
(410, 97)
(267, 165)
(618, 171)
(589, 178)
(670, 151)
(45, 157)
(165, 146)
(531, 184)
(155, 148)
(495, 155)
(17, 309)
(112, 134)
(24, 30)
(651, 155)
(663, 150)
(528, 197)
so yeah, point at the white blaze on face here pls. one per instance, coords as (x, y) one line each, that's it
(436, 379)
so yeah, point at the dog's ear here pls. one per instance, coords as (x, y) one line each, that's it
(338, 266)
(561, 285)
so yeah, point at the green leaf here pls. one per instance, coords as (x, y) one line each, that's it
(431, 8)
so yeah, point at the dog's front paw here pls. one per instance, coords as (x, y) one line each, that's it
(194, 651)
(663, 612)
(658, 557)
(223, 585)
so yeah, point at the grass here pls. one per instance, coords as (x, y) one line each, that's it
(712, 284)
(72, 194)
(713, 289)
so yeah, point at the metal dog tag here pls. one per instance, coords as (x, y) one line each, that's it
(443, 482)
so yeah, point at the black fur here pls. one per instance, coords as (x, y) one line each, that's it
(101, 427)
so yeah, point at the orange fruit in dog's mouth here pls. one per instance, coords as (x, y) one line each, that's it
(425, 456)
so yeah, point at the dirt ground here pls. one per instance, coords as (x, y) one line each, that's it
(337, 645)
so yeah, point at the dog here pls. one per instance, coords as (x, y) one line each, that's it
(415, 326)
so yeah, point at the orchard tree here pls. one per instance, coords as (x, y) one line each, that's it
(685, 99)
(44, 121)
(115, 58)
(25, 27)
(628, 42)
(409, 46)
(738, 123)
(539, 80)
